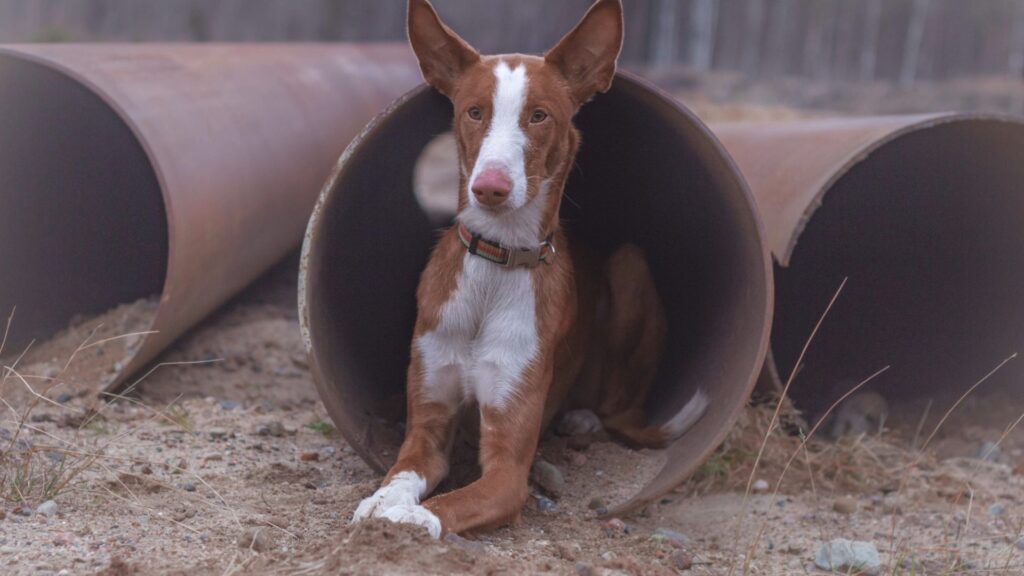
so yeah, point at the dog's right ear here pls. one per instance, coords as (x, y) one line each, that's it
(442, 54)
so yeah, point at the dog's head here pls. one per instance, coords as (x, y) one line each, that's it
(513, 113)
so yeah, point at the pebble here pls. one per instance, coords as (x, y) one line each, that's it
(275, 429)
(1019, 470)
(596, 504)
(64, 398)
(614, 527)
(1020, 544)
(580, 443)
(219, 434)
(846, 556)
(48, 508)
(545, 504)
(760, 486)
(229, 405)
(253, 538)
(309, 456)
(187, 486)
(576, 458)
(990, 452)
(215, 457)
(682, 560)
(461, 543)
(845, 505)
(608, 556)
(677, 539)
(891, 505)
(548, 477)
(584, 569)
(997, 509)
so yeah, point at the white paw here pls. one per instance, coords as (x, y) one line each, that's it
(578, 423)
(404, 489)
(416, 515)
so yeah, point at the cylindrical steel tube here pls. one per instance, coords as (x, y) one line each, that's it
(183, 171)
(924, 216)
(648, 172)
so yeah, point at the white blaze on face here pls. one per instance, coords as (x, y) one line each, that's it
(504, 146)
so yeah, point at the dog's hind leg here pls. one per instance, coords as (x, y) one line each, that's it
(635, 333)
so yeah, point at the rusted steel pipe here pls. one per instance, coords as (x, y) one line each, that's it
(649, 172)
(134, 170)
(924, 215)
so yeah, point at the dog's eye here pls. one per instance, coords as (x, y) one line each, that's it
(538, 116)
(475, 113)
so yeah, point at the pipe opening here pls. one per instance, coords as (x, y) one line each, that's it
(928, 228)
(82, 223)
(648, 172)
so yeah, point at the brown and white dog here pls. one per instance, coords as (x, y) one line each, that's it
(510, 319)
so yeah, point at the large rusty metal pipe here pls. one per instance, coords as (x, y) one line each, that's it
(649, 172)
(128, 171)
(924, 215)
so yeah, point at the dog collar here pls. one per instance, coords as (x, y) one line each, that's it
(504, 256)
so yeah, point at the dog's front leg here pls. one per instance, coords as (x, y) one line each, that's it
(509, 431)
(423, 460)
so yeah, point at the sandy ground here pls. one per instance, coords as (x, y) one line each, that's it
(231, 466)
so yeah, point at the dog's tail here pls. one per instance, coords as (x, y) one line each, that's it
(630, 427)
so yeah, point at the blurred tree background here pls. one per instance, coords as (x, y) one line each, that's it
(834, 43)
(842, 40)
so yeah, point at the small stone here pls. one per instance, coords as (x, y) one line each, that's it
(891, 505)
(1020, 544)
(48, 508)
(793, 549)
(576, 458)
(219, 434)
(548, 477)
(472, 546)
(848, 557)
(64, 398)
(187, 486)
(596, 503)
(677, 539)
(215, 457)
(602, 511)
(990, 452)
(229, 405)
(567, 552)
(608, 556)
(997, 509)
(578, 423)
(1019, 470)
(309, 456)
(614, 527)
(584, 569)
(275, 429)
(3, 513)
(253, 539)
(580, 443)
(682, 560)
(845, 505)
(545, 504)
(760, 486)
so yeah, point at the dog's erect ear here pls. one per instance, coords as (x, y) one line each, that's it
(442, 54)
(587, 55)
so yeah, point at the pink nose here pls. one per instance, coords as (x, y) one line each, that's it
(492, 187)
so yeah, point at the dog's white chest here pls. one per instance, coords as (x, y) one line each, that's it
(486, 339)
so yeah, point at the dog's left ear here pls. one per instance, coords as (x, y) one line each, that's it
(587, 56)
